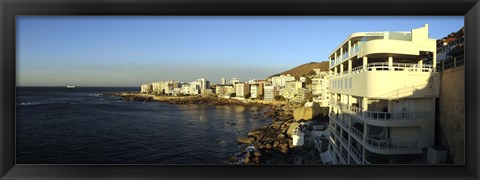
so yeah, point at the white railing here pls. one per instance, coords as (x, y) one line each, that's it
(383, 66)
(356, 132)
(356, 154)
(383, 116)
(344, 141)
(391, 145)
(344, 156)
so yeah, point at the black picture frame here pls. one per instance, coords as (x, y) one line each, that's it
(11, 8)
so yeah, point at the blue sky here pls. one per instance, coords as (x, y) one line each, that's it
(131, 50)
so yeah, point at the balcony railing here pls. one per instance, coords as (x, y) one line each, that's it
(383, 66)
(356, 132)
(344, 156)
(344, 141)
(356, 154)
(391, 145)
(382, 116)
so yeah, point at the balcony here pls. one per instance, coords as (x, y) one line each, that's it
(355, 154)
(391, 145)
(357, 133)
(383, 66)
(383, 116)
(344, 141)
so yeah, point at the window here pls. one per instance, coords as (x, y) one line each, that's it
(350, 83)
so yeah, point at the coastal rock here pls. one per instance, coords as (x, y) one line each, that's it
(303, 113)
(245, 140)
(284, 127)
(270, 135)
(277, 125)
(268, 146)
(292, 128)
(257, 134)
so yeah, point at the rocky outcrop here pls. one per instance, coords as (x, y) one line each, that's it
(303, 113)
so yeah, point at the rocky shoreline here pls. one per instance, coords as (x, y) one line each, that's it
(191, 99)
(273, 143)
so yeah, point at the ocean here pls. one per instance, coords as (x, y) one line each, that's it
(56, 125)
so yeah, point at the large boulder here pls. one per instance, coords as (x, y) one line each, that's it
(292, 128)
(303, 113)
(245, 140)
(257, 134)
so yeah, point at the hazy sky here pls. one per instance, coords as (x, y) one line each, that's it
(131, 50)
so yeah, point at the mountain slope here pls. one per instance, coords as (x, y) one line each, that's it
(304, 69)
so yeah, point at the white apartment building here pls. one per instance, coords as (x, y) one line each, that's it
(254, 88)
(280, 80)
(320, 88)
(158, 87)
(224, 90)
(223, 81)
(242, 89)
(270, 92)
(146, 88)
(382, 108)
(190, 88)
(292, 89)
(234, 81)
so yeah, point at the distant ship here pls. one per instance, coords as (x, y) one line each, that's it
(70, 87)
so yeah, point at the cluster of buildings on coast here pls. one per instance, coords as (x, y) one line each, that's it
(393, 97)
(274, 88)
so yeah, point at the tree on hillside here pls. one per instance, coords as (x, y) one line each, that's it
(311, 73)
(308, 80)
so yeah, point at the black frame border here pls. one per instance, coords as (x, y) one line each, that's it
(11, 8)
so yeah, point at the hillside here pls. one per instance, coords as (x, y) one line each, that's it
(304, 69)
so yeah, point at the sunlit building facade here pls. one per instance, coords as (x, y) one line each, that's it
(383, 97)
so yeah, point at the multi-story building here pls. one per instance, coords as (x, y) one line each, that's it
(270, 92)
(292, 89)
(224, 90)
(383, 97)
(190, 88)
(255, 90)
(320, 88)
(223, 81)
(158, 87)
(146, 88)
(242, 89)
(280, 80)
(234, 81)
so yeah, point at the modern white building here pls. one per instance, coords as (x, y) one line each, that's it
(320, 88)
(270, 92)
(234, 81)
(280, 80)
(242, 89)
(292, 89)
(223, 81)
(254, 90)
(146, 88)
(383, 96)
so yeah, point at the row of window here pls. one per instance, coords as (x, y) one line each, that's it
(342, 83)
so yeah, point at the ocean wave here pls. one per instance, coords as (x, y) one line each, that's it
(27, 103)
(95, 94)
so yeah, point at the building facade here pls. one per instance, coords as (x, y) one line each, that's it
(383, 97)
(280, 80)
(242, 89)
(320, 88)
(234, 81)
(270, 92)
